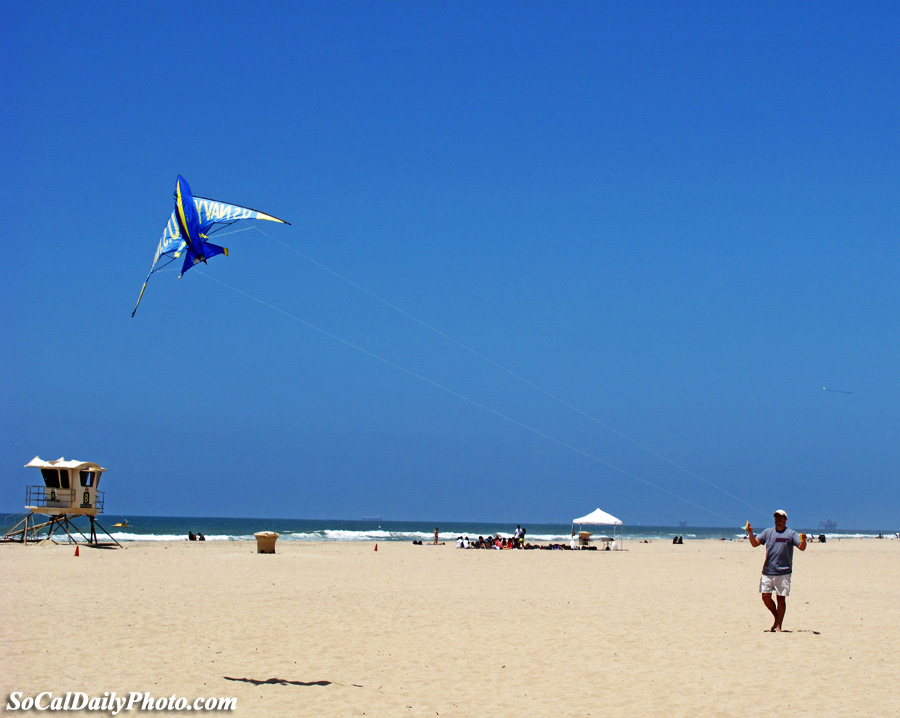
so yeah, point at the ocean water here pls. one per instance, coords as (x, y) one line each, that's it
(169, 528)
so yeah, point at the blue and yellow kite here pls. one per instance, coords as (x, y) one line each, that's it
(189, 227)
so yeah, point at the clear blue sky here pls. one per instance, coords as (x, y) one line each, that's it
(681, 219)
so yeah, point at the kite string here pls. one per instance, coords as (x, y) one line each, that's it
(463, 397)
(510, 372)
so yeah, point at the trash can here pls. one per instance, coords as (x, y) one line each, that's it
(265, 541)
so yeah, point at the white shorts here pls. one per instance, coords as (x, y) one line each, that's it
(780, 585)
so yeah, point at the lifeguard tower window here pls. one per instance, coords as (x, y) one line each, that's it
(87, 478)
(56, 478)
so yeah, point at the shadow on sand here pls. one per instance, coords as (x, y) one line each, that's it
(284, 682)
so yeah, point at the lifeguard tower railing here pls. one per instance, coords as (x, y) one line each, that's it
(44, 497)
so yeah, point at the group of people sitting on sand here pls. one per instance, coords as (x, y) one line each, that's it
(517, 540)
(196, 537)
(501, 543)
(495, 542)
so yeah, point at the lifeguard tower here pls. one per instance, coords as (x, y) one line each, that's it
(69, 493)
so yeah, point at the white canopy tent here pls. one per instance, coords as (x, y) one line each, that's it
(598, 517)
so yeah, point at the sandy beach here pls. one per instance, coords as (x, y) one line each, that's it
(339, 629)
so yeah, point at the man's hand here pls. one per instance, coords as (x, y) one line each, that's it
(753, 542)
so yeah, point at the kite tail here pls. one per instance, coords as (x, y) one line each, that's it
(209, 250)
(190, 259)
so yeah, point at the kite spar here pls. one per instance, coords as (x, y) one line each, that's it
(192, 221)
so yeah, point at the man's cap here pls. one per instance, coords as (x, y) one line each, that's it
(781, 512)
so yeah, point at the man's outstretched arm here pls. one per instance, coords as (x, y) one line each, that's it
(754, 542)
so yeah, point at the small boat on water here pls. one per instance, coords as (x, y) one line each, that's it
(122, 524)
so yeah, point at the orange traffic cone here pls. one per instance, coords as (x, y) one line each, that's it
(376, 547)
(76, 550)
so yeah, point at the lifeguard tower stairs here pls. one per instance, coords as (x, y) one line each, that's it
(69, 495)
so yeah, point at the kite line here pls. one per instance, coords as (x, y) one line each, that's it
(468, 399)
(508, 371)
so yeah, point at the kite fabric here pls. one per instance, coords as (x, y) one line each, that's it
(189, 227)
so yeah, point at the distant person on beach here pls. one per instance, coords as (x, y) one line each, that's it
(191, 536)
(776, 574)
(435, 535)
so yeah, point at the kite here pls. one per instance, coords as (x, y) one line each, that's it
(189, 227)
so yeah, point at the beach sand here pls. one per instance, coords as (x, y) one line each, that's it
(339, 629)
